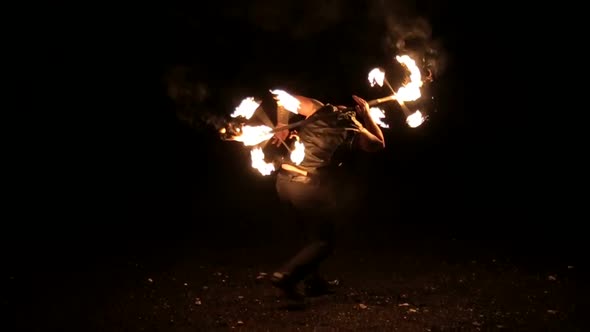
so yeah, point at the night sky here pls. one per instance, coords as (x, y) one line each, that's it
(122, 201)
(149, 166)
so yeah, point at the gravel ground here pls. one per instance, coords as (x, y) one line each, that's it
(409, 286)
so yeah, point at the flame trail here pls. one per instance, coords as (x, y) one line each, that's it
(408, 92)
(286, 100)
(298, 152)
(246, 108)
(377, 115)
(252, 135)
(257, 156)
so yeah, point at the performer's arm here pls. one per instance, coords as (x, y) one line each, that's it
(371, 137)
(282, 120)
(307, 106)
(282, 116)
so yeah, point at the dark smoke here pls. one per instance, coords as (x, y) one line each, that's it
(190, 96)
(404, 26)
(296, 18)
(409, 32)
(202, 101)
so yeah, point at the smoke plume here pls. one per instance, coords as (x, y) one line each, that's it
(190, 96)
(287, 34)
(296, 18)
(408, 32)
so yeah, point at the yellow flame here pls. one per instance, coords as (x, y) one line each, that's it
(415, 119)
(411, 90)
(298, 152)
(252, 135)
(286, 101)
(377, 114)
(376, 76)
(246, 108)
(258, 162)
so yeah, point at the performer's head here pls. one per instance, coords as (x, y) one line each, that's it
(229, 130)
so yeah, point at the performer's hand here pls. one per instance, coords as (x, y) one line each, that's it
(362, 108)
(279, 137)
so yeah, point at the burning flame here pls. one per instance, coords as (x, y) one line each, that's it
(286, 101)
(377, 114)
(415, 119)
(376, 76)
(253, 135)
(408, 92)
(298, 152)
(246, 108)
(411, 90)
(258, 162)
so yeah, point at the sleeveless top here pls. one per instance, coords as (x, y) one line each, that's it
(327, 138)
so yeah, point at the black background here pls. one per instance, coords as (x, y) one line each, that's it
(132, 169)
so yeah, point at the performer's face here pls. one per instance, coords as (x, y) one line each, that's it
(230, 130)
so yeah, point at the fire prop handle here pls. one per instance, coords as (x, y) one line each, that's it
(373, 102)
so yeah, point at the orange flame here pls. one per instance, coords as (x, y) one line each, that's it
(246, 108)
(408, 92)
(377, 114)
(415, 119)
(411, 90)
(376, 76)
(298, 152)
(253, 135)
(258, 162)
(286, 101)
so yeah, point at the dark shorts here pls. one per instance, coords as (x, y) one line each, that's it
(311, 195)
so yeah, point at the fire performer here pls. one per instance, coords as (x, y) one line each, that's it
(307, 187)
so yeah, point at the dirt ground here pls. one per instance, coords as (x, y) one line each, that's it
(416, 284)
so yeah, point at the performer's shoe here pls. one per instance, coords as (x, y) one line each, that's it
(317, 287)
(287, 286)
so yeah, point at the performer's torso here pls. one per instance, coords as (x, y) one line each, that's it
(326, 137)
